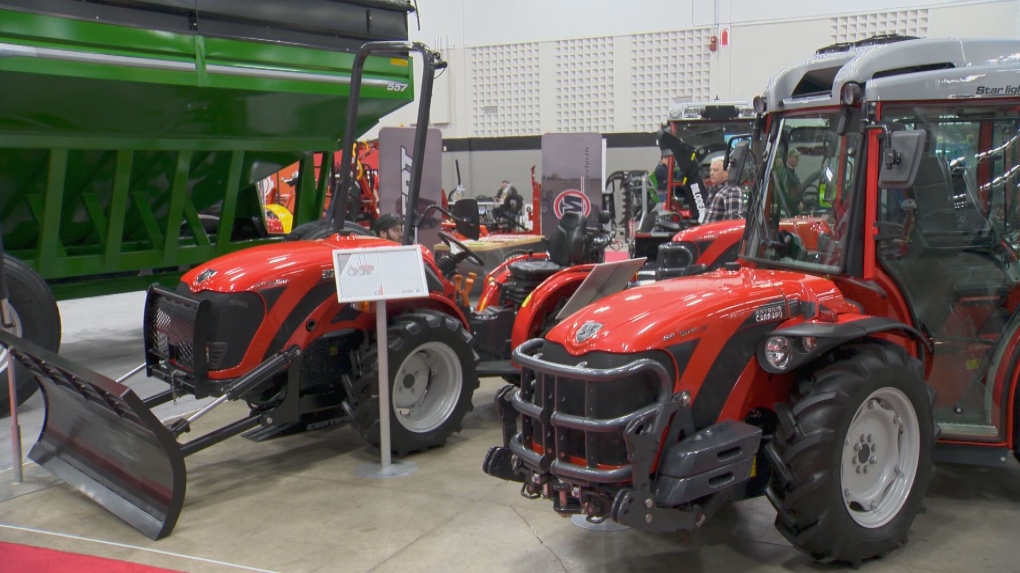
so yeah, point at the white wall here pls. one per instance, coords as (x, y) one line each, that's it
(765, 36)
(485, 22)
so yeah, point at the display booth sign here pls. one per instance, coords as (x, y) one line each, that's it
(572, 176)
(381, 274)
(396, 148)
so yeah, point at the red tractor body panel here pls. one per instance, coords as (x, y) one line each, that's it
(545, 301)
(297, 293)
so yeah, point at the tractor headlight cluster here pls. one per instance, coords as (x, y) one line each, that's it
(784, 352)
(778, 352)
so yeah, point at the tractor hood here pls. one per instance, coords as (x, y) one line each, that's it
(274, 264)
(668, 312)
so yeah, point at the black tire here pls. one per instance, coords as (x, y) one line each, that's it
(320, 229)
(37, 315)
(210, 224)
(450, 349)
(861, 387)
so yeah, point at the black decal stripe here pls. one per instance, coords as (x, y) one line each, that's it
(271, 295)
(704, 245)
(722, 376)
(296, 318)
(682, 353)
(346, 313)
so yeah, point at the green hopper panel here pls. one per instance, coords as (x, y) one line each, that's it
(121, 121)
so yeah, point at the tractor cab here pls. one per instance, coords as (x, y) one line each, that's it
(872, 326)
(912, 209)
(700, 133)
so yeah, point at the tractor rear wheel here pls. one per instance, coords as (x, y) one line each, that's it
(34, 317)
(432, 379)
(320, 229)
(854, 454)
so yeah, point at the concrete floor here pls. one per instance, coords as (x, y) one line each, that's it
(296, 504)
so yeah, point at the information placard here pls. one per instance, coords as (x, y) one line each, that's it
(380, 273)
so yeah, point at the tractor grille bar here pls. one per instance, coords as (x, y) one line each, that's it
(176, 347)
(574, 417)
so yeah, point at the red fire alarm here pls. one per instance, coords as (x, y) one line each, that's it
(713, 43)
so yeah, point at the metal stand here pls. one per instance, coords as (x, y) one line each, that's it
(607, 525)
(387, 468)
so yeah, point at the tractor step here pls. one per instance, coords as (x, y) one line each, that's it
(497, 368)
(315, 421)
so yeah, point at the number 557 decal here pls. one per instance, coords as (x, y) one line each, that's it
(396, 87)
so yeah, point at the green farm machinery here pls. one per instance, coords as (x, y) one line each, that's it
(124, 123)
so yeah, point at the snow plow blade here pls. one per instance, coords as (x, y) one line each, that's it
(100, 438)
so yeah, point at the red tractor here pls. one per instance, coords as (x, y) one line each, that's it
(831, 365)
(700, 133)
(264, 325)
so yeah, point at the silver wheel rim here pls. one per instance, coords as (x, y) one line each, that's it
(426, 387)
(16, 331)
(880, 458)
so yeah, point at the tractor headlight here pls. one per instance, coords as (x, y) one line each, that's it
(778, 352)
(809, 343)
(760, 105)
(850, 94)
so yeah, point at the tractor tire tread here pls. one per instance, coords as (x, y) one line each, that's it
(807, 493)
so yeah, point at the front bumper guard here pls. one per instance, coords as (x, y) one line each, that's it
(706, 477)
(642, 429)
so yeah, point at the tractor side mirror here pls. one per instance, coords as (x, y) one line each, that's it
(736, 158)
(901, 158)
(466, 217)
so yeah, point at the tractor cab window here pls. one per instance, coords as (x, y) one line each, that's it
(950, 244)
(801, 218)
(710, 138)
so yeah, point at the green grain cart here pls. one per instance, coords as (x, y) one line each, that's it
(122, 122)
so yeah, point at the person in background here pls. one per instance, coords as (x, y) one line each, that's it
(728, 201)
(389, 226)
(789, 182)
(505, 190)
(661, 176)
(717, 176)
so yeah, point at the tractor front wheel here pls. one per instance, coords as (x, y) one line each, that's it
(853, 456)
(432, 379)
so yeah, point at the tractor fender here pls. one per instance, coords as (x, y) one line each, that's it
(829, 335)
(435, 301)
(499, 276)
(544, 301)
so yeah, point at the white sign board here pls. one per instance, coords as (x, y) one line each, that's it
(380, 273)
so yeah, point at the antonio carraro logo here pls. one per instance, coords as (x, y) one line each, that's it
(588, 330)
(205, 275)
(770, 313)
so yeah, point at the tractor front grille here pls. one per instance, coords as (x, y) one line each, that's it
(575, 409)
(170, 320)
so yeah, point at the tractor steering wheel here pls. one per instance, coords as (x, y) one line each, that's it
(468, 255)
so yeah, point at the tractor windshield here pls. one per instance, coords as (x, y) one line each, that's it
(710, 138)
(801, 218)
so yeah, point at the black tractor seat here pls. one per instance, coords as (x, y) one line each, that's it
(566, 248)
(532, 271)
